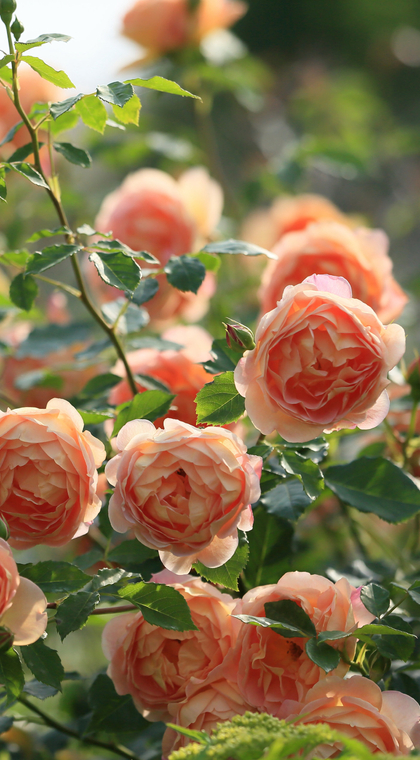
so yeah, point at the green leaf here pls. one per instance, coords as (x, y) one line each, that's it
(223, 358)
(209, 260)
(92, 112)
(185, 273)
(290, 615)
(49, 338)
(118, 270)
(75, 155)
(7, 76)
(129, 113)
(12, 131)
(307, 471)
(131, 555)
(100, 385)
(6, 722)
(112, 713)
(86, 229)
(396, 647)
(50, 256)
(160, 605)
(59, 78)
(227, 575)
(287, 500)
(47, 233)
(270, 546)
(63, 123)
(28, 171)
(23, 291)
(375, 485)
(44, 663)
(21, 153)
(74, 612)
(322, 654)
(41, 40)
(39, 690)
(145, 291)
(94, 418)
(116, 93)
(58, 109)
(3, 188)
(162, 85)
(153, 342)
(218, 402)
(38, 378)
(55, 577)
(149, 405)
(106, 577)
(85, 561)
(11, 673)
(236, 247)
(15, 258)
(6, 59)
(335, 635)
(116, 246)
(372, 629)
(375, 598)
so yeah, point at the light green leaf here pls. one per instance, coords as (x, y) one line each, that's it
(41, 40)
(6, 59)
(92, 112)
(129, 113)
(218, 402)
(162, 85)
(227, 575)
(47, 233)
(149, 405)
(59, 78)
(238, 247)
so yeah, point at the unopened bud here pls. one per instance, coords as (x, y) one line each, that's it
(17, 29)
(6, 639)
(4, 530)
(239, 337)
(7, 9)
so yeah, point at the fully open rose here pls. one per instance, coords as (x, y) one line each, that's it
(48, 474)
(361, 256)
(320, 363)
(159, 667)
(270, 668)
(183, 490)
(385, 721)
(22, 603)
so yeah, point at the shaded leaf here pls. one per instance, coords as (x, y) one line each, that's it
(323, 655)
(11, 673)
(112, 713)
(58, 109)
(23, 291)
(375, 598)
(100, 385)
(185, 273)
(75, 155)
(116, 93)
(56, 577)
(44, 663)
(47, 233)
(307, 471)
(145, 291)
(115, 246)
(131, 555)
(223, 358)
(12, 131)
(50, 256)
(287, 500)
(291, 615)
(39, 690)
(74, 612)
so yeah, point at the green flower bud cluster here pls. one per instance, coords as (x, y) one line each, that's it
(7, 9)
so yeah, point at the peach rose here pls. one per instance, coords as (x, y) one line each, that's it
(384, 721)
(22, 603)
(202, 710)
(361, 256)
(173, 368)
(266, 226)
(270, 668)
(185, 491)
(164, 25)
(320, 363)
(158, 667)
(48, 474)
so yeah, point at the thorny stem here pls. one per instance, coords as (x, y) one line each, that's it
(118, 749)
(70, 236)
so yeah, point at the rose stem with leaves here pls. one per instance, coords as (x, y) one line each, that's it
(71, 238)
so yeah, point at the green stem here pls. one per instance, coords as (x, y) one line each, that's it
(61, 285)
(101, 610)
(117, 749)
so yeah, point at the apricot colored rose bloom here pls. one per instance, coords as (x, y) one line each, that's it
(182, 376)
(271, 668)
(22, 603)
(183, 490)
(361, 256)
(385, 721)
(48, 474)
(158, 667)
(320, 363)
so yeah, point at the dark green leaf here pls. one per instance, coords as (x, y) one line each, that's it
(12, 131)
(375, 598)
(49, 257)
(100, 385)
(74, 612)
(112, 713)
(316, 450)
(116, 246)
(92, 112)
(270, 546)
(28, 171)
(59, 78)
(287, 500)
(162, 85)
(375, 485)
(396, 647)
(11, 673)
(44, 663)
(132, 320)
(149, 405)
(23, 291)
(223, 358)
(47, 233)
(6, 722)
(41, 40)
(238, 246)
(93, 350)
(21, 153)
(106, 576)
(39, 690)
(306, 470)
(118, 270)
(153, 342)
(145, 291)
(75, 155)
(116, 93)
(85, 561)
(44, 340)
(334, 635)
(57, 109)
(290, 615)
(218, 402)
(227, 575)
(131, 555)
(56, 577)
(322, 654)
(185, 273)
(129, 113)
(160, 605)
(151, 384)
